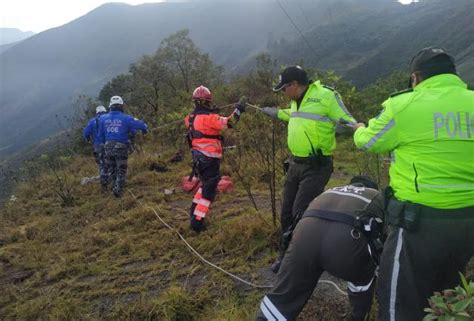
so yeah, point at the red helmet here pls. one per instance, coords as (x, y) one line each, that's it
(202, 93)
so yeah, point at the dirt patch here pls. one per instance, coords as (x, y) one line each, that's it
(327, 303)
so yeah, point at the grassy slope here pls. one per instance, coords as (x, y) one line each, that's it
(105, 258)
(108, 259)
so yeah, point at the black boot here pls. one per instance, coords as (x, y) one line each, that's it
(196, 225)
(117, 192)
(361, 303)
(275, 267)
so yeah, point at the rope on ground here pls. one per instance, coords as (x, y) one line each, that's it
(212, 264)
(196, 252)
(333, 284)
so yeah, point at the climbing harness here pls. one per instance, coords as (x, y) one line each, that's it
(364, 223)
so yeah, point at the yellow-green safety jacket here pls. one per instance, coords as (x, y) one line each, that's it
(430, 132)
(314, 122)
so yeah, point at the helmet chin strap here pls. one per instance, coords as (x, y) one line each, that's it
(116, 107)
(204, 104)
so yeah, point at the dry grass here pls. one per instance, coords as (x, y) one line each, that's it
(108, 259)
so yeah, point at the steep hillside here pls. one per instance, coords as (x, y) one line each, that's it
(7, 46)
(365, 42)
(103, 258)
(109, 259)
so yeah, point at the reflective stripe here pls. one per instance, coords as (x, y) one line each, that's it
(349, 194)
(267, 313)
(202, 149)
(341, 104)
(202, 207)
(223, 120)
(272, 308)
(199, 213)
(447, 186)
(377, 136)
(205, 145)
(198, 195)
(395, 272)
(202, 201)
(300, 114)
(359, 288)
(210, 154)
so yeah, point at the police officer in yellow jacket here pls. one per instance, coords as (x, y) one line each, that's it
(429, 130)
(314, 111)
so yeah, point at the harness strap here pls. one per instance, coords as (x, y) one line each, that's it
(193, 133)
(372, 232)
(332, 216)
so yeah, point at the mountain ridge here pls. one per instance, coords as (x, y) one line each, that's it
(11, 35)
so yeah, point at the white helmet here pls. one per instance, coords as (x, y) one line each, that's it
(100, 109)
(116, 100)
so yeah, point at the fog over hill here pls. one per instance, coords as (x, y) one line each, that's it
(366, 42)
(360, 39)
(10, 35)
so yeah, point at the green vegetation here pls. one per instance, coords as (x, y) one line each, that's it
(453, 305)
(68, 252)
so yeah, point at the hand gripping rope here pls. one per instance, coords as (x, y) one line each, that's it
(181, 120)
(192, 250)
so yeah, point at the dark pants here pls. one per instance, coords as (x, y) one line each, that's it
(304, 181)
(115, 169)
(99, 155)
(319, 245)
(208, 171)
(421, 259)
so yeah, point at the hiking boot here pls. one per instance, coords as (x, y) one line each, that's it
(117, 193)
(104, 188)
(275, 267)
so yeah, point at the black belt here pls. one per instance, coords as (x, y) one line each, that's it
(332, 216)
(375, 240)
(119, 144)
(310, 159)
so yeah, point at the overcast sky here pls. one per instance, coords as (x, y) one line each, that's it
(39, 15)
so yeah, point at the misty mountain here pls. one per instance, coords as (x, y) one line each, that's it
(7, 46)
(360, 39)
(9, 35)
(366, 42)
(46, 71)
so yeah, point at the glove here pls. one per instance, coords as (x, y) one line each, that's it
(241, 104)
(270, 111)
(237, 113)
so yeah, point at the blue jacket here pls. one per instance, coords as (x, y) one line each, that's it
(116, 126)
(92, 129)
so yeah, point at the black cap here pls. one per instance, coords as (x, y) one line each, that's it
(432, 61)
(290, 74)
(364, 181)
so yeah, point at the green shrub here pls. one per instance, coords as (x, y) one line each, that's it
(452, 305)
